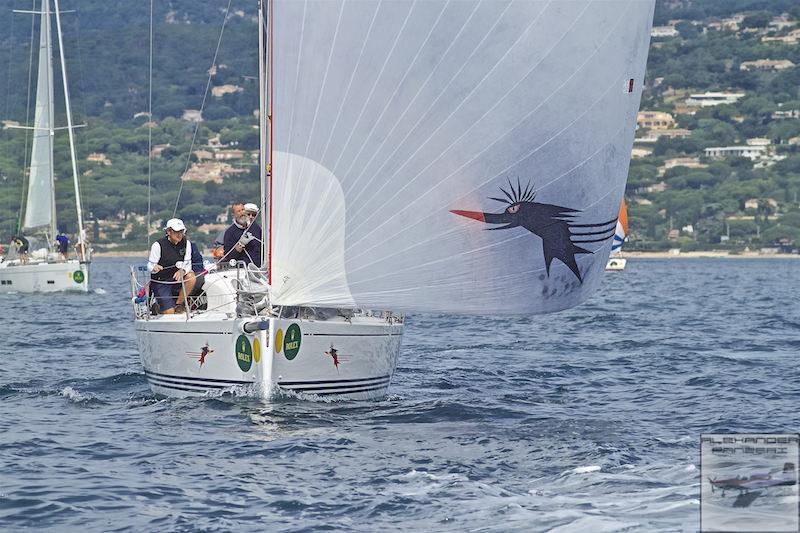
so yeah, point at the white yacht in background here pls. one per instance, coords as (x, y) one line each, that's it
(43, 269)
(393, 135)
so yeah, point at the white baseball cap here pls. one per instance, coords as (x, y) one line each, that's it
(175, 224)
(251, 207)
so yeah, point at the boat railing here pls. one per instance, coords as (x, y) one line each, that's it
(250, 292)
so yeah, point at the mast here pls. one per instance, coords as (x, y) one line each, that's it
(81, 234)
(262, 127)
(48, 41)
(270, 84)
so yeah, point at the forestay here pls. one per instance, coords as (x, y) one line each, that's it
(403, 131)
(40, 207)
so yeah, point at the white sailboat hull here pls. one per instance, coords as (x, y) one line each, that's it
(70, 276)
(210, 353)
(616, 264)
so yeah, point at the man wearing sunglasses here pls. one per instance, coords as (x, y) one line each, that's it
(242, 240)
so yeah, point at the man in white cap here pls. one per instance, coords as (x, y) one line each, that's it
(242, 240)
(169, 263)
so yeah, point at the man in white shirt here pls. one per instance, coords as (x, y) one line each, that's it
(169, 263)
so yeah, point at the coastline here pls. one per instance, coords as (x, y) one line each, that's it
(706, 255)
(629, 255)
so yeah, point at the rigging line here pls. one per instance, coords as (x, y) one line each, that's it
(401, 118)
(150, 129)
(462, 100)
(527, 116)
(296, 79)
(202, 106)
(25, 169)
(84, 138)
(335, 126)
(488, 180)
(303, 188)
(392, 98)
(8, 107)
(375, 84)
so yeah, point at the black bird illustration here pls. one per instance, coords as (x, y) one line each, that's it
(554, 224)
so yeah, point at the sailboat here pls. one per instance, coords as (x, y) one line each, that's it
(393, 136)
(45, 270)
(615, 261)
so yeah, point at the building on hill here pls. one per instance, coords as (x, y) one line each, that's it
(653, 136)
(750, 152)
(708, 99)
(192, 115)
(654, 120)
(228, 155)
(663, 31)
(789, 113)
(727, 24)
(158, 149)
(688, 162)
(221, 90)
(215, 143)
(97, 157)
(793, 37)
(766, 64)
(210, 171)
(753, 203)
(782, 21)
(204, 155)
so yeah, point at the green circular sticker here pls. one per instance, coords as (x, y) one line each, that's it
(291, 341)
(244, 353)
(78, 276)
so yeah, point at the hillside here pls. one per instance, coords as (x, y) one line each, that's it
(719, 170)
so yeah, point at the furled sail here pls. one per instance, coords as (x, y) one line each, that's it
(403, 131)
(622, 229)
(40, 207)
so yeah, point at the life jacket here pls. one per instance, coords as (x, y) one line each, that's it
(170, 254)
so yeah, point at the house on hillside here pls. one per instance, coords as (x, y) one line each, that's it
(727, 24)
(793, 37)
(100, 158)
(192, 115)
(228, 155)
(708, 99)
(766, 64)
(222, 90)
(158, 149)
(654, 120)
(663, 31)
(750, 152)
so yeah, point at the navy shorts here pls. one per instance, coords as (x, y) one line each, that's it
(165, 294)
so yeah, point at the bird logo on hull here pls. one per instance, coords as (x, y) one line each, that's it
(204, 352)
(337, 357)
(562, 236)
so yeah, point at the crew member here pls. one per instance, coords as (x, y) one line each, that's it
(243, 238)
(169, 263)
(23, 246)
(63, 244)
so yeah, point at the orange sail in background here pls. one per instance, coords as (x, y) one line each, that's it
(622, 228)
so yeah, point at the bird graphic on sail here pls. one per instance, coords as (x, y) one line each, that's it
(556, 226)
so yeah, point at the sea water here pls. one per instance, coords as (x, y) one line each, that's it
(585, 420)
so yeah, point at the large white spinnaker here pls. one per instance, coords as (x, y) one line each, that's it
(403, 131)
(40, 207)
